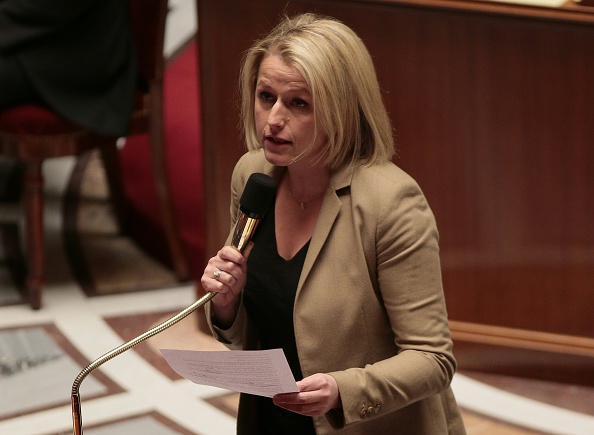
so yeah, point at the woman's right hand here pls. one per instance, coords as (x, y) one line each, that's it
(227, 283)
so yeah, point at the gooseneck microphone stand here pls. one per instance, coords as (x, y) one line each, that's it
(257, 197)
(75, 397)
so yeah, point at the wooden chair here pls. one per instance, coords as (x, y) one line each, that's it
(148, 24)
(32, 134)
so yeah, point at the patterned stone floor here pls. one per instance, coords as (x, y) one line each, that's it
(41, 352)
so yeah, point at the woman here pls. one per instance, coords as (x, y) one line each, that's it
(344, 272)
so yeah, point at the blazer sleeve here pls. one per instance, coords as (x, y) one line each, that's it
(25, 21)
(408, 277)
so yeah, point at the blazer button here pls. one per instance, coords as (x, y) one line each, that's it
(370, 410)
(363, 411)
(378, 408)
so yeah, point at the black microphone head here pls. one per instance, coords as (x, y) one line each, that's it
(257, 195)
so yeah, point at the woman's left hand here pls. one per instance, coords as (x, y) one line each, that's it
(317, 395)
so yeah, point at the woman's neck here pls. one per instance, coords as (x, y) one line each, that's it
(304, 186)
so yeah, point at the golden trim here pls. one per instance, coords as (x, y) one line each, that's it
(522, 338)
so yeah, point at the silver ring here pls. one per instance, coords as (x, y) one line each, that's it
(217, 273)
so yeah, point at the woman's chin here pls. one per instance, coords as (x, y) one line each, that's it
(277, 159)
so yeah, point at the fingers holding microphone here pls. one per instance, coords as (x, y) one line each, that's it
(225, 275)
(226, 272)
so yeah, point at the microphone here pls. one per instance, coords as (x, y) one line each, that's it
(254, 203)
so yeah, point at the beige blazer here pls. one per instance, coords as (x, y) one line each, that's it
(369, 308)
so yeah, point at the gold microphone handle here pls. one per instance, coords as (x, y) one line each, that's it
(244, 230)
(75, 398)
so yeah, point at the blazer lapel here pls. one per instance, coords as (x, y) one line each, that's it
(331, 207)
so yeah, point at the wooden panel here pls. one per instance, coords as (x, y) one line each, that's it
(493, 107)
(524, 353)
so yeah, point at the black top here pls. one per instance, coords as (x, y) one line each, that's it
(269, 298)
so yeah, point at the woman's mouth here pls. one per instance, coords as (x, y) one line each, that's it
(277, 140)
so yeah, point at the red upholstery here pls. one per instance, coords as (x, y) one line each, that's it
(35, 120)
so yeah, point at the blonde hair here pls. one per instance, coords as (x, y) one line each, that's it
(338, 69)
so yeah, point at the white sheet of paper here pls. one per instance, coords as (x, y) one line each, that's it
(258, 372)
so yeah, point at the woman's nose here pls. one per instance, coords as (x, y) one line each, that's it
(277, 115)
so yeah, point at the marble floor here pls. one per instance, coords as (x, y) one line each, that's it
(41, 352)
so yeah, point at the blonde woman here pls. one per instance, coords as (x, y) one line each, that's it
(344, 272)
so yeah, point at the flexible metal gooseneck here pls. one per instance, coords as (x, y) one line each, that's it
(254, 203)
(75, 397)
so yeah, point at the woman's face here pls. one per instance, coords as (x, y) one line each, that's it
(284, 113)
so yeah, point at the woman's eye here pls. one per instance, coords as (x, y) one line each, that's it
(299, 103)
(266, 96)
